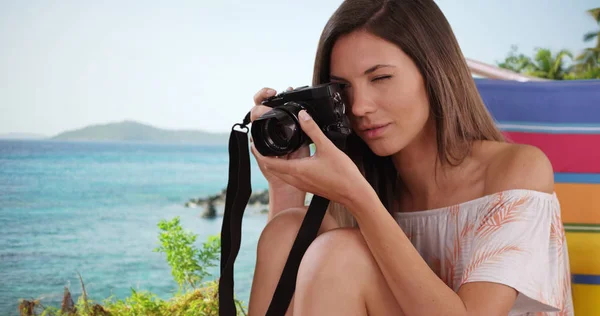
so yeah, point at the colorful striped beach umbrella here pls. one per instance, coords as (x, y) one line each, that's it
(562, 118)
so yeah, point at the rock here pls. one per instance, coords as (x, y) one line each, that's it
(210, 202)
(210, 210)
(214, 205)
(191, 204)
(261, 197)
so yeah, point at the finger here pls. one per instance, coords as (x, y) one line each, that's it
(262, 161)
(279, 166)
(257, 111)
(263, 94)
(261, 166)
(259, 158)
(255, 152)
(312, 130)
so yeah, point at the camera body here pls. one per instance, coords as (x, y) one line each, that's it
(278, 132)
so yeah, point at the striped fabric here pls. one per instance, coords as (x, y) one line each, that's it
(563, 119)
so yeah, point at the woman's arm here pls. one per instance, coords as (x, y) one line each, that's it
(418, 290)
(282, 198)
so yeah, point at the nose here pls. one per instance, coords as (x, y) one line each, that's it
(361, 103)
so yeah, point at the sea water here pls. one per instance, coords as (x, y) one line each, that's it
(93, 208)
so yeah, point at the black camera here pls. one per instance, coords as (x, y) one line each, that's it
(278, 132)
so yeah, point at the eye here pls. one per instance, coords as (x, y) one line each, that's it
(381, 78)
(342, 84)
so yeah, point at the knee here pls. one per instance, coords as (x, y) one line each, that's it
(339, 252)
(284, 220)
(283, 227)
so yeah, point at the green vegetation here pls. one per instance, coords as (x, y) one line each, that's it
(188, 264)
(189, 267)
(562, 65)
(131, 131)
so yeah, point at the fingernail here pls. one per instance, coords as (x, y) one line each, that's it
(304, 116)
(270, 92)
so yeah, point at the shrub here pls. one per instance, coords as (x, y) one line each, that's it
(189, 267)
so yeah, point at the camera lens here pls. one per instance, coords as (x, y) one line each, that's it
(278, 131)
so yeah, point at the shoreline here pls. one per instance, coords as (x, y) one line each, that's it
(214, 205)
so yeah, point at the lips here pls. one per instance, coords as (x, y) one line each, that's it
(374, 130)
(367, 128)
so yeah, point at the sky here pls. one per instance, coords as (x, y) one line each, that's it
(196, 64)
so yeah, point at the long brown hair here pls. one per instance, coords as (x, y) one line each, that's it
(421, 30)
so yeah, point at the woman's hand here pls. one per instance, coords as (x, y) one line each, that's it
(329, 173)
(282, 194)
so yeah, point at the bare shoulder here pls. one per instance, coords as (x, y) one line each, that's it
(518, 166)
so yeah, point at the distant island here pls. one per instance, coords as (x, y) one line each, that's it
(132, 131)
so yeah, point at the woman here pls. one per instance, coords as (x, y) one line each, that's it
(432, 213)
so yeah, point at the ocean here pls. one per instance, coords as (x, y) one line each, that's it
(93, 208)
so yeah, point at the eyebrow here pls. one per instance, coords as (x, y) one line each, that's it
(368, 71)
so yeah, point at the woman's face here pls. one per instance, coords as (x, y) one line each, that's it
(385, 91)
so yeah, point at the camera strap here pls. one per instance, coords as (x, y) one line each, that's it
(236, 200)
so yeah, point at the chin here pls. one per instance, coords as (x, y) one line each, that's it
(383, 152)
(383, 147)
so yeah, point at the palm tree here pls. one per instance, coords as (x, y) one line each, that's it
(595, 13)
(546, 65)
(590, 58)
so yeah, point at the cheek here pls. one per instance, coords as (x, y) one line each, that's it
(411, 107)
(406, 111)
(410, 118)
(413, 112)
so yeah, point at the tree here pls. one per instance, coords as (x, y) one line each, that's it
(543, 65)
(590, 57)
(515, 61)
(549, 66)
(595, 13)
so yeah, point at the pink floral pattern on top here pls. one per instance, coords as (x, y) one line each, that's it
(514, 237)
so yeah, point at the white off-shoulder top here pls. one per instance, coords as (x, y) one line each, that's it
(514, 237)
